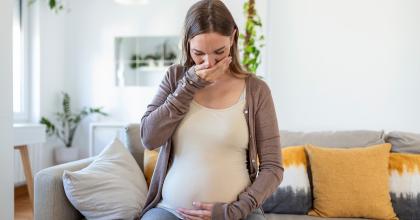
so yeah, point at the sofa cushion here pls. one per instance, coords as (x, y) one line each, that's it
(351, 182)
(351, 138)
(111, 187)
(293, 196)
(404, 172)
(404, 142)
(150, 159)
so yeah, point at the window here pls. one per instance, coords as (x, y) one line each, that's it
(20, 78)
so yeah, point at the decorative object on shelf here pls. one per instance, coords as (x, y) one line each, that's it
(251, 51)
(137, 61)
(54, 5)
(142, 61)
(65, 128)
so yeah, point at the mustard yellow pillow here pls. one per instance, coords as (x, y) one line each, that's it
(149, 163)
(351, 182)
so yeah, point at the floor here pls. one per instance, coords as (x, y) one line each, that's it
(23, 209)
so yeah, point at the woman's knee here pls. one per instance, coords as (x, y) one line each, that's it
(158, 214)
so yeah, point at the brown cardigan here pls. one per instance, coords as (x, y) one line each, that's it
(168, 108)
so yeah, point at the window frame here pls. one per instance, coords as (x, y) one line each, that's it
(19, 19)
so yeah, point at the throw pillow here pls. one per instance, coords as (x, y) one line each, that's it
(404, 170)
(111, 187)
(150, 159)
(293, 195)
(351, 182)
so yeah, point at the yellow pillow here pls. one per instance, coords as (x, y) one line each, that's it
(149, 163)
(352, 182)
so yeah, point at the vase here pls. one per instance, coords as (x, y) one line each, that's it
(64, 154)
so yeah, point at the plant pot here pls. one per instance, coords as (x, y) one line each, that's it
(65, 154)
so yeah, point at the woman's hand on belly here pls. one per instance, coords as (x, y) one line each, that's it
(202, 213)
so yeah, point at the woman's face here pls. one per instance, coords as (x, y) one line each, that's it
(210, 48)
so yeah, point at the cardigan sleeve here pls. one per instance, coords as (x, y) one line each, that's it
(168, 108)
(270, 173)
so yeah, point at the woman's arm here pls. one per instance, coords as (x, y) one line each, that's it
(270, 171)
(167, 109)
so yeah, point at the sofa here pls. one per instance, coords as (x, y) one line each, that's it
(51, 203)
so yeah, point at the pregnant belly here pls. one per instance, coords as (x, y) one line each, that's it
(187, 181)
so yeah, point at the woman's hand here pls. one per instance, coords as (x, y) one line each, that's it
(213, 73)
(202, 213)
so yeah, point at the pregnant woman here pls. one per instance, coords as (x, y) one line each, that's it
(217, 128)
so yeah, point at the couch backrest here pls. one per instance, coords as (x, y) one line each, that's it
(404, 142)
(134, 145)
(401, 141)
(349, 138)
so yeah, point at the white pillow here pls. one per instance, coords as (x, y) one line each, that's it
(111, 187)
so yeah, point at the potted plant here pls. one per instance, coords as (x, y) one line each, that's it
(65, 128)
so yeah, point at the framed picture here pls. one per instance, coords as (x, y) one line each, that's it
(142, 61)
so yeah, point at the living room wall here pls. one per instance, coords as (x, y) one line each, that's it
(345, 64)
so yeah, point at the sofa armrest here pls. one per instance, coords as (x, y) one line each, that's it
(50, 200)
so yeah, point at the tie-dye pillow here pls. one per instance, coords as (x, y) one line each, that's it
(293, 195)
(404, 170)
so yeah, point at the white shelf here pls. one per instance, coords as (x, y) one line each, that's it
(28, 133)
(151, 69)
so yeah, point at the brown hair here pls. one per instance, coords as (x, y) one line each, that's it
(207, 16)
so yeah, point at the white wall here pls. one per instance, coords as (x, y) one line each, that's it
(6, 148)
(348, 64)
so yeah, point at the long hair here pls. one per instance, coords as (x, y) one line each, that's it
(208, 16)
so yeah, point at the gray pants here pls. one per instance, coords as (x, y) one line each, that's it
(162, 214)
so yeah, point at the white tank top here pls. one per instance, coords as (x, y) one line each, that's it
(209, 161)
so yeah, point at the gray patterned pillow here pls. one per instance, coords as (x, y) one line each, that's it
(404, 178)
(293, 196)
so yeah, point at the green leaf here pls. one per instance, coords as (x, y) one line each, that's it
(52, 4)
(251, 47)
(246, 6)
(66, 105)
(50, 128)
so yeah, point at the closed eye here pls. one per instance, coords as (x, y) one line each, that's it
(201, 54)
(218, 51)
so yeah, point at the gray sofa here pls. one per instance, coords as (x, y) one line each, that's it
(51, 203)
